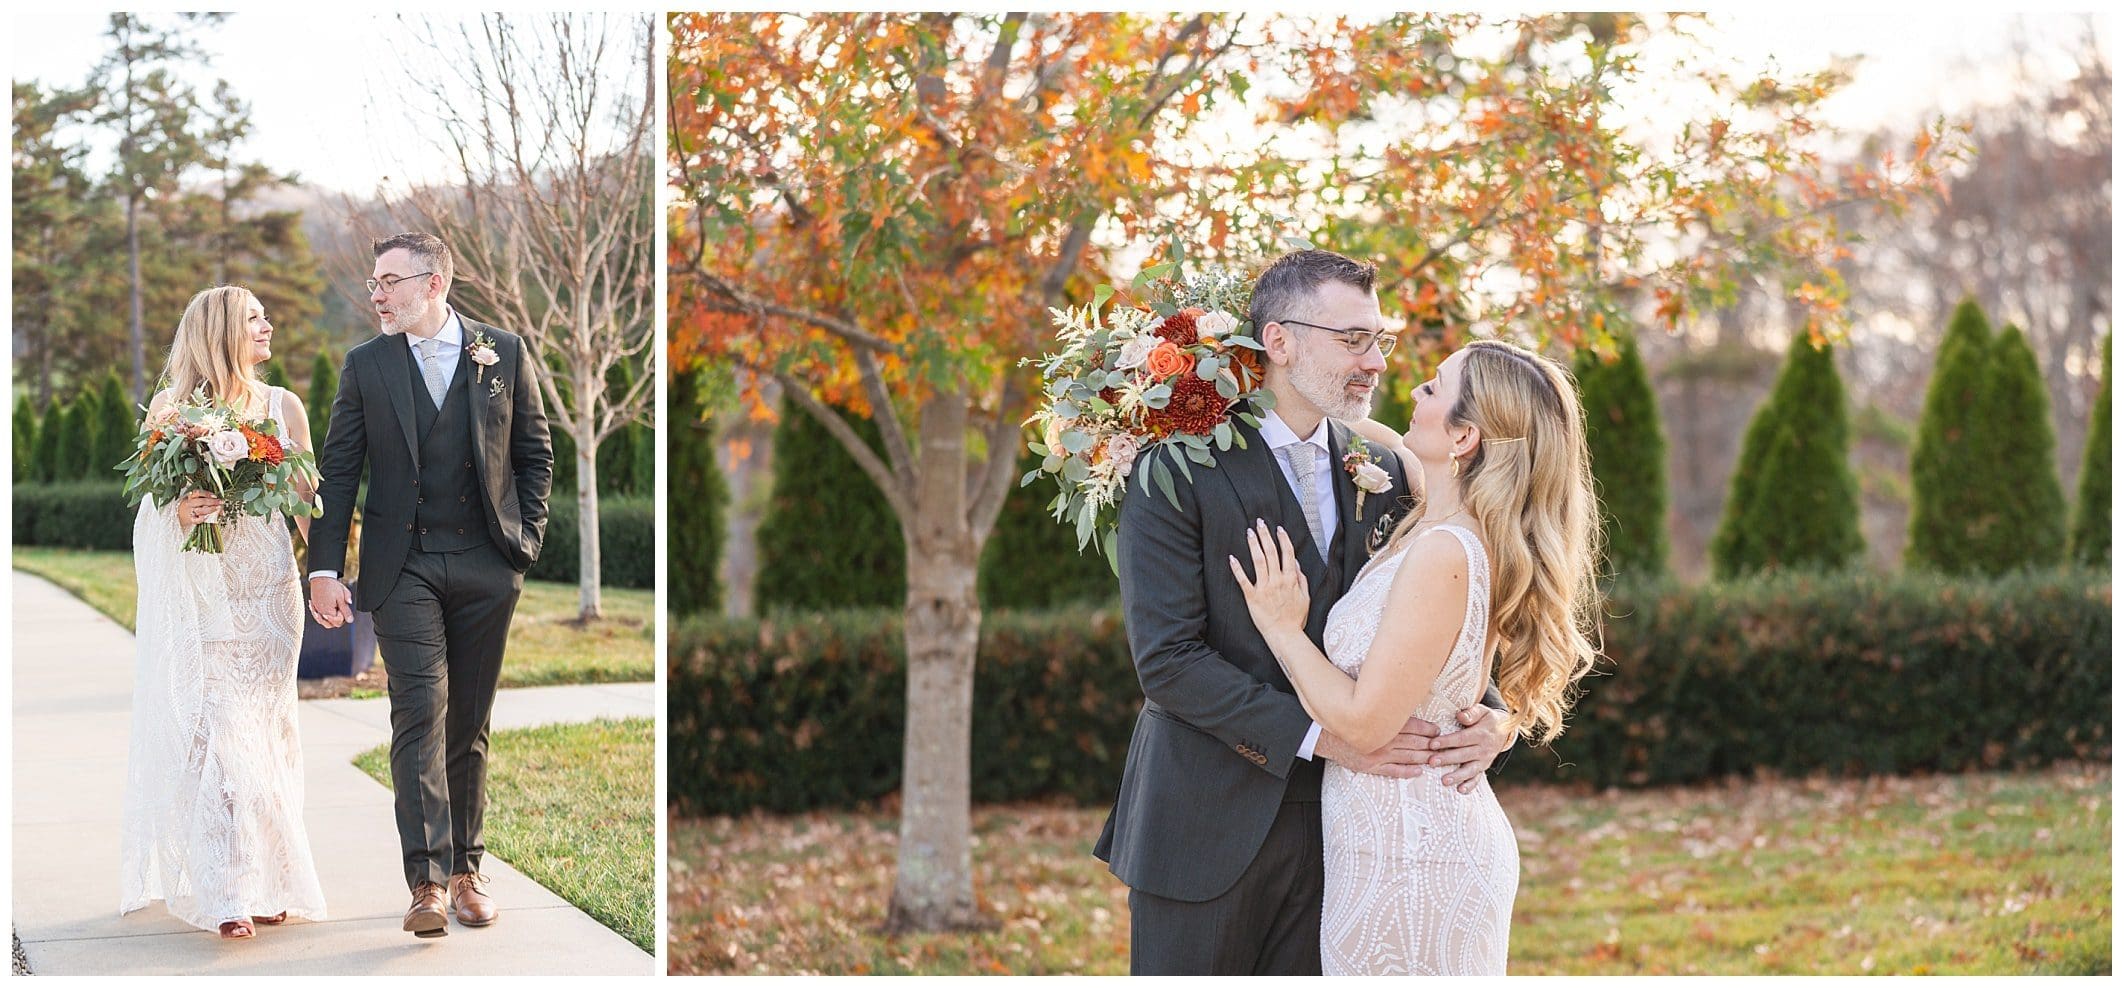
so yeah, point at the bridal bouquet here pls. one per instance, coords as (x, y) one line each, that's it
(1143, 390)
(206, 445)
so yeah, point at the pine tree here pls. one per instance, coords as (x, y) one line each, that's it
(25, 426)
(1949, 508)
(696, 519)
(324, 386)
(2023, 476)
(2090, 521)
(827, 538)
(1629, 454)
(1794, 500)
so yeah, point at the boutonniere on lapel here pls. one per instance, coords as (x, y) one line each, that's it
(483, 356)
(1369, 476)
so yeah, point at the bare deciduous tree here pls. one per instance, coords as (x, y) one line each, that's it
(549, 208)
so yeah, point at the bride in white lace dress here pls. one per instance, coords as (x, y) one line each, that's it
(1499, 560)
(213, 799)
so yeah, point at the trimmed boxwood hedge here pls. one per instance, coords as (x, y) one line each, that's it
(80, 514)
(802, 710)
(1796, 674)
(626, 529)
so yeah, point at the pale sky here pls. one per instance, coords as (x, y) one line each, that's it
(319, 84)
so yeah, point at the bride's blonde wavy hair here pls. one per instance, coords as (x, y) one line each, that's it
(1529, 487)
(213, 338)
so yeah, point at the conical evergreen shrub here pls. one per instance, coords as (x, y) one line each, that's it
(615, 463)
(696, 511)
(119, 422)
(644, 469)
(1949, 507)
(324, 386)
(77, 437)
(45, 464)
(25, 428)
(272, 376)
(1629, 453)
(1793, 503)
(2090, 520)
(2023, 464)
(827, 538)
(1031, 560)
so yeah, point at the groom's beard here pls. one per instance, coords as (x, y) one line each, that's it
(1328, 390)
(403, 315)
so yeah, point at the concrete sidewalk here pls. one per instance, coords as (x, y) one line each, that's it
(73, 683)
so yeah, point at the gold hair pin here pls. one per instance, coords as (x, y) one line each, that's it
(1514, 439)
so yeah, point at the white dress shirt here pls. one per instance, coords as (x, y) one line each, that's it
(452, 334)
(1277, 435)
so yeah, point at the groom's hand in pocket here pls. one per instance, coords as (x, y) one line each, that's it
(1401, 758)
(1468, 752)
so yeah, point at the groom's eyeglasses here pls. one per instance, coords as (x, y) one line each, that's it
(390, 282)
(1354, 340)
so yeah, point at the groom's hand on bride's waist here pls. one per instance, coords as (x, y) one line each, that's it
(1401, 758)
(1468, 752)
(1464, 754)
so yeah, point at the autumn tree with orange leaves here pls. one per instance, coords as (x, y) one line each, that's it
(876, 210)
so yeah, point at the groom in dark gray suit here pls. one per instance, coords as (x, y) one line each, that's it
(446, 415)
(1216, 830)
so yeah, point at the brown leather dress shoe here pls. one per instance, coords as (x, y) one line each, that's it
(426, 918)
(472, 904)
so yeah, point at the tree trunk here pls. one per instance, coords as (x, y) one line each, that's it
(588, 554)
(136, 334)
(934, 887)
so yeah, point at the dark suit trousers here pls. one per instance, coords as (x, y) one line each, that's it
(1268, 923)
(442, 631)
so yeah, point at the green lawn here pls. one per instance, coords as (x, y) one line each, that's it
(547, 646)
(1975, 874)
(573, 806)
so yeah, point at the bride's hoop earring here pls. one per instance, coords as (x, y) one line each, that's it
(1454, 471)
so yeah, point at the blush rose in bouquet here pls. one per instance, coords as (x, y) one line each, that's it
(1142, 391)
(200, 444)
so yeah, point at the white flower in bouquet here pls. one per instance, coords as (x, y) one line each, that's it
(214, 422)
(1134, 352)
(228, 447)
(1121, 453)
(1215, 324)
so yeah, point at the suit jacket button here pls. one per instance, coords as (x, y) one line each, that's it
(416, 483)
(420, 500)
(468, 464)
(423, 531)
(460, 499)
(460, 531)
(409, 527)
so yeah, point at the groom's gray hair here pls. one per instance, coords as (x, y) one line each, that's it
(428, 251)
(1285, 290)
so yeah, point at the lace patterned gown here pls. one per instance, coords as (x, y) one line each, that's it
(213, 798)
(1420, 878)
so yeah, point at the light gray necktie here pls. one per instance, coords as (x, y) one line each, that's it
(1300, 456)
(431, 369)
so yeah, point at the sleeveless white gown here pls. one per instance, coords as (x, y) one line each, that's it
(213, 795)
(1419, 878)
